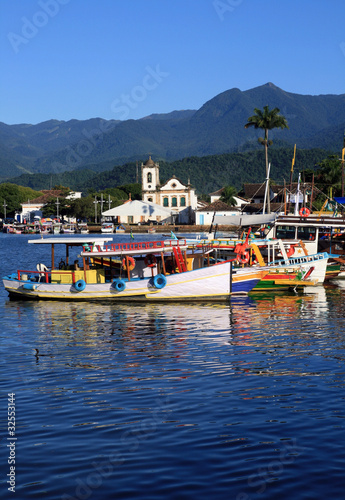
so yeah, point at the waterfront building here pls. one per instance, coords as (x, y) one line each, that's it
(205, 215)
(138, 212)
(180, 198)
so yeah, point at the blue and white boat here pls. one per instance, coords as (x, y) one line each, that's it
(138, 271)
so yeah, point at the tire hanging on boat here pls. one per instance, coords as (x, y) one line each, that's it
(159, 281)
(119, 285)
(80, 285)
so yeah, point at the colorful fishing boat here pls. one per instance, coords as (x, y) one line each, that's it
(283, 272)
(137, 271)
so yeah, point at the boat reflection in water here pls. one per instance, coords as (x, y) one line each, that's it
(246, 326)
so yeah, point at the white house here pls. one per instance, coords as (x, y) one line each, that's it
(180, 198)
(240, 202)
(29, 210)
(136, 211)
(74, 195)
(205, 215)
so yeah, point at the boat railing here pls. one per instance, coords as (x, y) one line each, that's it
(25, 275)
(300, 260)
(143, 245)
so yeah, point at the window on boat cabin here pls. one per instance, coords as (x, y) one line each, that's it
(182, 201)
(174, 202)
(306, 233)
(286, 232)
(165, 202)
(149, 177)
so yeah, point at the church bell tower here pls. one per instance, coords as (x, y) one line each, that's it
(150, 181)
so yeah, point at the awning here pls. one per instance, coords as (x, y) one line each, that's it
(340, 200)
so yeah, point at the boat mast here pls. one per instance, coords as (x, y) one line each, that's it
(267, 187)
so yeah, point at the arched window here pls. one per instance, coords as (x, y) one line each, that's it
(149, 177)
(150, 199)
(165, 202)
(183, 201)
(174, 202)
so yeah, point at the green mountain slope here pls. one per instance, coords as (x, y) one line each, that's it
(217, 127)
(206, 174)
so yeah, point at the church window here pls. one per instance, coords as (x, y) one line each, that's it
(174, 201)
(165, 202)
(183, 201)
(149, 177)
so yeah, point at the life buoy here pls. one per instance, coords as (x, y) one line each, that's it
(131, 263)
(243, 258)
(159, 281)
(150, 260)
(304, 212)
(80, 285)
(119, 285)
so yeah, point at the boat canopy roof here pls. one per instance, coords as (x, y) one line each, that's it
(80, 241)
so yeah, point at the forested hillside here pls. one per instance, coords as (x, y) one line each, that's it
(54, 146)
(206, 174)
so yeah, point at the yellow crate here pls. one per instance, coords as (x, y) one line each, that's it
(92, 276)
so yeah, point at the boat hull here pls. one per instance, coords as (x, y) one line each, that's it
(207, 284)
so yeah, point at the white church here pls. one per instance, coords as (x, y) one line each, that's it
(173, 202)
(173, 194)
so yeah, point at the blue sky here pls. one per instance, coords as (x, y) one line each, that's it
(125, 59)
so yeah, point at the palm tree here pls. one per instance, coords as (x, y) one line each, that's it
(228, 195)
(266, 120)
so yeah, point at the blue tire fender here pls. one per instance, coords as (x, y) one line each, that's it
(119, 285)
(80, 285)
(159, 281)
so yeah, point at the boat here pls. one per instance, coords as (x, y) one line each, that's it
(82, 228)
(138, 271)
(107, 227)
(68, 228)
(283, 272)
(120, 229)
(151, 230)
(318, 234)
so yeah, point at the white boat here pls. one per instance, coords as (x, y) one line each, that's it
(141, 271)
(107, 227)
(67, 228)
(82, 228)
(283, 271)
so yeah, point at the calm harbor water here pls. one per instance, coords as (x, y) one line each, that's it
(235, 401)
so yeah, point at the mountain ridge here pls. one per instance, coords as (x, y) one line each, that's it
(217, 127)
